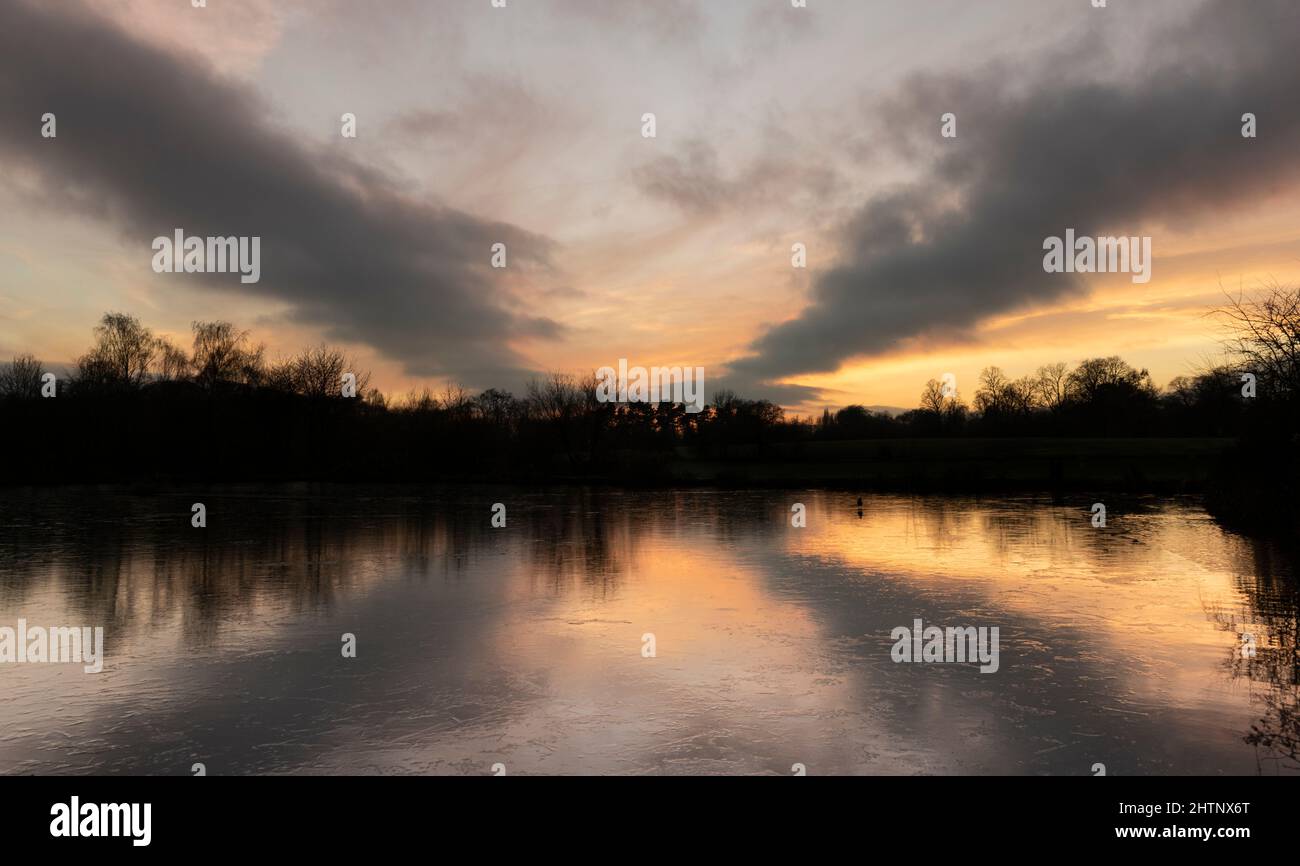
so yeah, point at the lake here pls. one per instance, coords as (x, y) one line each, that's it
(640, 632)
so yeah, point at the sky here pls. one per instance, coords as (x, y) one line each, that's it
(775, 126)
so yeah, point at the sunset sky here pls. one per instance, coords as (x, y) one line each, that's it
(775, 126)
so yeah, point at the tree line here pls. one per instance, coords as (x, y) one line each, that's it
(138, 405)
(1098, 397)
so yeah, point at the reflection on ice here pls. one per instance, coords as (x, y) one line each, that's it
(525, 646)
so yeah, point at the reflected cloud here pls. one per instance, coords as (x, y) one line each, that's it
(524, 645)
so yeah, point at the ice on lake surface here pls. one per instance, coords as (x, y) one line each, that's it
(523, 645)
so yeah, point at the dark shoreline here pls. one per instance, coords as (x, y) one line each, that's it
(1061, 468)
(933, 465)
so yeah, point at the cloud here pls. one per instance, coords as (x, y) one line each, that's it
(694, 181)
(488, 109)
(152, 142)
(1039, 152)
(780, 394)
(562, 293)
(232, 35)
(674, 21)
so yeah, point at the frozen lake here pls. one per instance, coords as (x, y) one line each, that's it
(529, 646)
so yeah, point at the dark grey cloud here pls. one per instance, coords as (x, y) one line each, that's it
(1042, 148)
(153, 141)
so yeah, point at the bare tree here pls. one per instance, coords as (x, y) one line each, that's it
(932, 397)
(22, 379)
(1181, 392)
(122, 353)
(1000, 396)
(1050, 385)
(318, 372)
(224, 354)
(991, 396)
(173, 363)
(1095, 375)
(457, 401)
(418, 401)
(496, 406)
(1264, 337)
(557, 398)
(943, 405)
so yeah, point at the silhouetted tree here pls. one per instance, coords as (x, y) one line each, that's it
(275, 423)
(318, 372)
(1264, 338)
(939, 412)
(224, 354)
(496, 407)
(1000, 398)
(173, 363)
(1050, 388)
(1108, 397)
(121, 356)
(1260, 485)
(22, 378)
